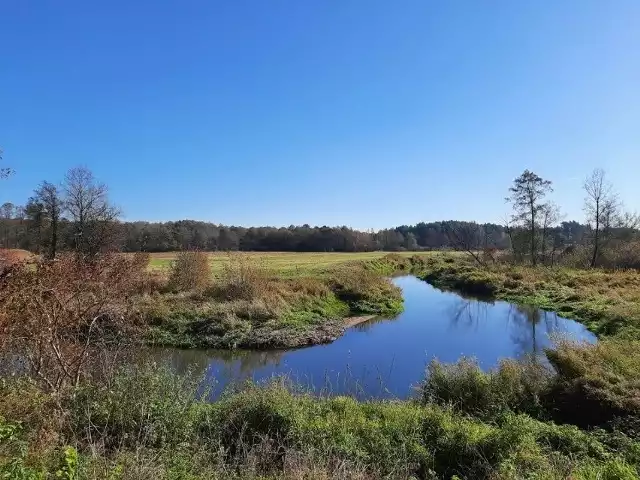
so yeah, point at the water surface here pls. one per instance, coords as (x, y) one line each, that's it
(386, 357)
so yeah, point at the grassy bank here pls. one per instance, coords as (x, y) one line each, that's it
(251, 305)
(607, 302)
(148, 423)
(521, 421)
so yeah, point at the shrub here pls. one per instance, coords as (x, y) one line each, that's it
(190, 271)
(596, 384)
(243, 278)
(515, 386)
(56, 316)
(366, 292)
(140, 407)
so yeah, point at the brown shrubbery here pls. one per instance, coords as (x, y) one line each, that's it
(243, 278)
(55, 317)
(190, 271)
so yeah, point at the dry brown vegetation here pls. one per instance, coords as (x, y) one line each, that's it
(54, 316)
(190, 271)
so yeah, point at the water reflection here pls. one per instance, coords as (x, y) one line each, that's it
(384, 357)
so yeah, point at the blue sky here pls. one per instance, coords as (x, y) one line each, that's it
(366, 113)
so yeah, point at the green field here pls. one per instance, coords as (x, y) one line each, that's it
(286, 264)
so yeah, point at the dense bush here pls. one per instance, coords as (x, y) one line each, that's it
(365, 291)
(190, 271)
(597, 385)
(146, 422)
(513, 386)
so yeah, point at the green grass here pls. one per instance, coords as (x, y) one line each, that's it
(148, 423)
(607, 302)
(285, 264)
(253, 305)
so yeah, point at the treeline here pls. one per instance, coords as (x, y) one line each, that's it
(20, 229)
(76, 214)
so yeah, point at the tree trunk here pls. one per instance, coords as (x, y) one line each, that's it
(596, 239)
(533, 235)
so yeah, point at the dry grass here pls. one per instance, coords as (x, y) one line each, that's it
(284, 264)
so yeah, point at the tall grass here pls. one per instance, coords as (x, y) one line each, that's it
(148, 423)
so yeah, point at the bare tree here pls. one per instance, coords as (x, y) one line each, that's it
(601, 207)
(94, 218)
(550, 215)
(526, 197)
(468, 237)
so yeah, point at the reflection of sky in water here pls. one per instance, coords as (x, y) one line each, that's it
(385, 357)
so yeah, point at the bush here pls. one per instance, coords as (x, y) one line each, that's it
(190, 271)
(140, 407)
(57, 316)
(243, 278)
(366, 292)
(597, 385)
(515, 386)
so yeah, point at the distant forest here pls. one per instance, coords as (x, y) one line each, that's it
(20, 230)
(77, 214)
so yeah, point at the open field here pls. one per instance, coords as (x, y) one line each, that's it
(286, 264)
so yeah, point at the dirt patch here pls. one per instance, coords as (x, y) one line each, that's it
(352, 321)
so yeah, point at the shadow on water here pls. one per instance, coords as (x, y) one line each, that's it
(384, 357)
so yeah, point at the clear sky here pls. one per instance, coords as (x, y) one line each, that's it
(366, 113)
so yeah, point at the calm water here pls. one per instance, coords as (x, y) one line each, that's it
(385, 357)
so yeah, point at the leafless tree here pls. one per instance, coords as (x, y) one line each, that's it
(93, 216)
(468, 237)
(601, 207)
(4, 171)
(550, 215)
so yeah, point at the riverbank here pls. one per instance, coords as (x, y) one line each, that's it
(607, 302)
(254, 307)
(579, 421)
(148, 423)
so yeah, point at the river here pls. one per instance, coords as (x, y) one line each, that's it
(386, 357)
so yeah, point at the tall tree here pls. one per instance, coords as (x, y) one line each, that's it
(49, 197)
(526, 197)
(601, 206)
(93, 217)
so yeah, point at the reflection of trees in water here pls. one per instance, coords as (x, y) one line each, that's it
(532, 327)
(468, 313)
(219, 366)
(528, 325)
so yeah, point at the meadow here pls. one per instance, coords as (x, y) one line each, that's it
(285, 264)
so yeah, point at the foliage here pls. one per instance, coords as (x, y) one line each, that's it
(190, 271)
(365, 291)
(243, 278)
(57, 315)
(515, 386)
(135, 408)
(598, 385)
(163, 428)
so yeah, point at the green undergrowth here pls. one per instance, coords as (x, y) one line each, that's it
(254, 309)
(607, 302)
(148, 423)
